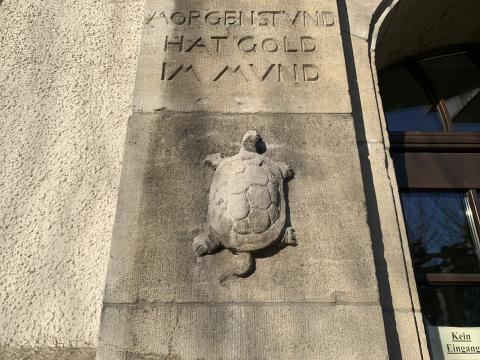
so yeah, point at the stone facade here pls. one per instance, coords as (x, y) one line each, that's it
(108, 109)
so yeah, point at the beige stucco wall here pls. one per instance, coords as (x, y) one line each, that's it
(67, 70)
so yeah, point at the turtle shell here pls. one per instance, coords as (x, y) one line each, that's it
(245, 196)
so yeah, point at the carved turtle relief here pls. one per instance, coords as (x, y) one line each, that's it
(247, 210)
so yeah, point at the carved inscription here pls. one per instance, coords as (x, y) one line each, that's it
(245, 44)
(253, 38)
(240, 17)
(248, 73)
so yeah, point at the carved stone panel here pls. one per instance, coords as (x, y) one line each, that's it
(242, 56)
(162, 301)
(247, 210)
(164, 199)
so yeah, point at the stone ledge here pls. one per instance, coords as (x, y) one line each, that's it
(51, 353)
(241, 332)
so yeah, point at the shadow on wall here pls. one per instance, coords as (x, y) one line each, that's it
(390, 326)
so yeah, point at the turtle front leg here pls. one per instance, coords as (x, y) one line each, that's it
(289, 238)
(213, 160)
(203, 244)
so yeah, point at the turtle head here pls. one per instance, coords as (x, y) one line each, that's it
(250, 141)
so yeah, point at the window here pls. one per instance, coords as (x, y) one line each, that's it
(443, 231)
(436, 93)
(432, 109)
(408, 106)
(441, 236)
(455, 79)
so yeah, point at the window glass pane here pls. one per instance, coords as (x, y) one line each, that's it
(450, 305)
(407, 107)
(439, 232)
(457, 78)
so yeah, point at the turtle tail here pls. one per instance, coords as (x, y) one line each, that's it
(243, 269)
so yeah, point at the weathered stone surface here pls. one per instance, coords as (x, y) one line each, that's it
(259, 197)
(259, 220)
(408, 338)
(256, 176)
(242, 227)
(367, 112)
(237, 185)
(198, 57)
(237, 206)
(248, 199)
(360, 16)
(161, 207)
(273, 212)
(242, 332)
(395, 254)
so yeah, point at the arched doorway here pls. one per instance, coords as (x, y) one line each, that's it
(427, 57)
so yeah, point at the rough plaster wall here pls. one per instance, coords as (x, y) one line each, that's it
(67, 70)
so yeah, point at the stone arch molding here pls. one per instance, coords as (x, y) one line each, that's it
(378, 17)
(398, 347)
(408, 27)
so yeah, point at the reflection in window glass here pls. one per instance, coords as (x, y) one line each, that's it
(441, 237)
(407, 107)
(471, 224)
(450, 305)
(457, 79)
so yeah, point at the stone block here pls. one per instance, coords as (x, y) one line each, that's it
(360, 16)
(242, 332)
(393, 246)
(407, 339)
(164, 195)
(369, 123)
(242, 56)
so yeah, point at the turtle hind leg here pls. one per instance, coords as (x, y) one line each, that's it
(204, 244)
(289, 238)
(243, 269)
